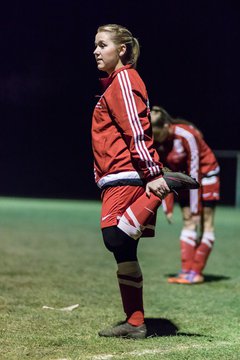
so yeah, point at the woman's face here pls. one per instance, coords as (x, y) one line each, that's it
(107, 54)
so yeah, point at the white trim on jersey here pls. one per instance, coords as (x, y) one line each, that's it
(213, 172)
(118, 176)
(194, 164)
(209, 180)
(135, 123)
(213, 195)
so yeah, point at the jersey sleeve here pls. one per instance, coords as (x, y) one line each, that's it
(130, 112)
(191, 146)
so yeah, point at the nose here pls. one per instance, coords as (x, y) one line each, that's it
(96, 51)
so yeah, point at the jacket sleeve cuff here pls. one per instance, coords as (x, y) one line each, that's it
(151, 178)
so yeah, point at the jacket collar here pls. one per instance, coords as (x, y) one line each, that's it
(105, 82)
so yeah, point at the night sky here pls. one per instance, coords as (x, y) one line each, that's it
(189, 61)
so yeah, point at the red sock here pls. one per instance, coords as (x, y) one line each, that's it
(145, 208)
(131, 288)
(202, 252)
(188, 244)
(139, 216)
(136, 319)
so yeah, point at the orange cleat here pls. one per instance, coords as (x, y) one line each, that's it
(175, 279)
(191, 278)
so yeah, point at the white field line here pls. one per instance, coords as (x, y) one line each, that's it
(159, 351)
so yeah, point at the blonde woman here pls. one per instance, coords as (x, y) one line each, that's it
(127, 168)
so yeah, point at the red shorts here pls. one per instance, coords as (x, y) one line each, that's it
(210, 192)
(210, 188)
(116, 202)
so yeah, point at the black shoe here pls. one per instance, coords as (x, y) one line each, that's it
(178, 181)
(125, 330)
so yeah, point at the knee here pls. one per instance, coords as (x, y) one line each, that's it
(114, 239)
(123, 247)
(188, 223)
(191, 223)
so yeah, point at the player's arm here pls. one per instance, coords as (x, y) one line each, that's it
(193, 160)
(130, 112)
(168, 207)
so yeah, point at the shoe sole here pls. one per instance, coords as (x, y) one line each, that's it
(187, 282)
(128, 336)
(140, 334)
(173, 280)
(179, 181)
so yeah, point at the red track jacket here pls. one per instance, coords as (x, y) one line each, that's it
(121, 132)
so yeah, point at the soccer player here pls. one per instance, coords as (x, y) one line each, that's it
(182, 148)
(126, 166)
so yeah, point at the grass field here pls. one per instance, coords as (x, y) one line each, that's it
(52, 255)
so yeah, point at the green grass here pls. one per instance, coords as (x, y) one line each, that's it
(52, 254)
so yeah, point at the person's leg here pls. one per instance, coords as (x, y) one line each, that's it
(139, 218)
(210, 196)
(128, 213)
(129, 273)
(132, 224)
(207, 240)
(188, 241)
(130, 281)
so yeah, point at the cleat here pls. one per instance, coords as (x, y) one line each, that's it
(178, 181)
(125, 330)
(174, 279)
(192, 278)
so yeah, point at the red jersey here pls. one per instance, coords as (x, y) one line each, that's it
(185, 150)
(121, 132)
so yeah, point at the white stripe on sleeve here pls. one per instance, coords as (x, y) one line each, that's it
(135, 123)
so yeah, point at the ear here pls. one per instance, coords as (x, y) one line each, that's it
(122, 49)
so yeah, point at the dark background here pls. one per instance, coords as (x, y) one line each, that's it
(189, 62)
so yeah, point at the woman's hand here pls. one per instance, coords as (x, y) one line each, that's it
(169, 217)
(158, 187)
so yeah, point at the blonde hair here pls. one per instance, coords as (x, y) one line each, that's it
(164, 118)
(121, 35)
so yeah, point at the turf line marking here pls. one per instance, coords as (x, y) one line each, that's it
(158, 351)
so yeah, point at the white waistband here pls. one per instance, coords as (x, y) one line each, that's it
(118, 176)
